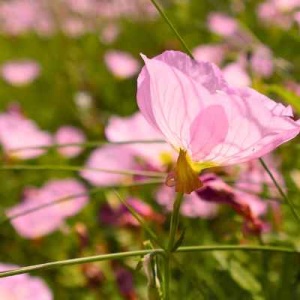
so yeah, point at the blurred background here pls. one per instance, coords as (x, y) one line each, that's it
(67, 67)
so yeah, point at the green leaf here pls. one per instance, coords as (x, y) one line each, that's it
(244, 278)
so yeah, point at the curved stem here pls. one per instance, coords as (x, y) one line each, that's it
(280, 190)
(89, 144)
(165, 17)
(82, 260)
(172, 235)
(79, 168)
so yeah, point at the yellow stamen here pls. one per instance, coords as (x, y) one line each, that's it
(185, 179)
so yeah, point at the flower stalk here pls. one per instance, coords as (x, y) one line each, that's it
(170, 246)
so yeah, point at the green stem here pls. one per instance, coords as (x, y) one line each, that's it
(174, 221)
(89, 144)
(186, 249)
(172, 235)
(280, 190)
(79, 168)
(168, 21)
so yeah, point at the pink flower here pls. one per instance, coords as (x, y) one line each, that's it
(69, 135)
(277, 12)
(20, 72)
(74, 27)
(121, 64)
(236, 75)
(206, 120)
(43, 221)
(112, 158)
(18, 16)
(254, 179)
(121, 216)
(109, 33)
(211, 53)
(22, 287)
(17, 132)
(192, 207)
(297, 17)
(222, 24)
(134, 128)
(262, 62)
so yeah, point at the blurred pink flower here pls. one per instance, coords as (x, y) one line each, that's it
(236, 75)
(297, 17)
(278, 12)
(293, 86)
(262, 62)
(18, 132)
(22, 287)
(69, 135)
(20, 72)
(18, 16)
(125, 282)
(74, 27)
(121, 216)
(134, 128)
(192, 207)
(109, 33)
(121, 64)
(43, 221)
(254, 179)
(110, 157)
(209, 122)
(210, 52)
(84, 7)
(287, 5)
(222, 24)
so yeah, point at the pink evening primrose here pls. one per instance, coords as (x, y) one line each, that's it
(17, 132)
(222, 24)
(109, 157)
(136, 127)
(38, 223)
(121, 64)
(20, 72)
(206, 120)
(69, 135)
(22, 287)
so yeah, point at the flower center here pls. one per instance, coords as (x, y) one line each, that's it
(183, 177)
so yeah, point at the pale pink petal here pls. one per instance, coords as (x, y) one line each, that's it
(192, 207)
(208, 130)
(195, 207)
(262, 62)
(135, 128)
(172, 95)
(69, 135)
(17, 132)
(222, 24)
(210, 52)
(35, 224)
(121, 64)
(236, 75)
(204, 73)
(113, 158)
(22, 287)
(254, 129)
(20, 72)
(168, 107)
(71, 190)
